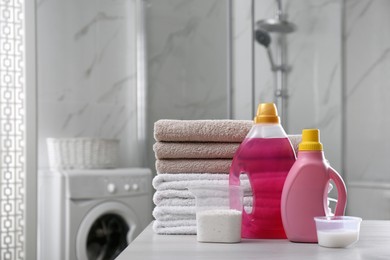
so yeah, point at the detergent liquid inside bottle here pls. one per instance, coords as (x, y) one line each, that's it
(266, 156)
(305, 193)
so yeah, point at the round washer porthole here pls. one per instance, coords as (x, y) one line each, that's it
(105, 230)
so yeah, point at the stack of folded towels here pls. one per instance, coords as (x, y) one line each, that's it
(189, 153)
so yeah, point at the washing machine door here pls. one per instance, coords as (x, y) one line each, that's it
(105, 231)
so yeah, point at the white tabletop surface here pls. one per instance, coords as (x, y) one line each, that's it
(374, 243)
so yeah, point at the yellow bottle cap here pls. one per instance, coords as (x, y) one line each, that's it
(267, 113)
(310, 140)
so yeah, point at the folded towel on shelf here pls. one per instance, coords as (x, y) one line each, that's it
(164, 195)
(190, 202)
(183, 185)
(178, 227)
(173, 213)
(176, 223)
(194, 165)
(167, 213)
(183, 202)
(183, 150)
(182, 181)
(186, 150)
(160, 195)
(201, 130)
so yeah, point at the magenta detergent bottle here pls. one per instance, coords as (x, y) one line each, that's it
(266, 156)
(305, 193)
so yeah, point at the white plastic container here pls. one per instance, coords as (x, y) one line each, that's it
(82, 153)
(337, 231)
(216, 219)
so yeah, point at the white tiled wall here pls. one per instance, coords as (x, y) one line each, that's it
(369, 200)
(242, 60)
(367, 107)
(314, 83)
(368, 90)
(314, 54)
(87, 67)
(187, 61)
(87, 72)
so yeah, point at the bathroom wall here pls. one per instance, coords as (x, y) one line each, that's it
(339, 47)
(87, 68)
(187, 41)
(314, 82)
(367, 42)
(87, 72)
(367, 95)
(188, 73)
(242, 60)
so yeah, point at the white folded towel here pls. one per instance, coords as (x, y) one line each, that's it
(173, 213)
(176, 196)
(174, 202)
(175, 223)
(190, 202)
(182, 181)
(177, 227)
(169, 213)
(169, 194)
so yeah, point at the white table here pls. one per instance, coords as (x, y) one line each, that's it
(374, 243)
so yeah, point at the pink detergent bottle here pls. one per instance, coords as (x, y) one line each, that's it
(266, 156)
(305, 193)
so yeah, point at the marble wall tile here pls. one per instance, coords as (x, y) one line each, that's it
(315, 80)
(87, 73)
(314, 83)
(187, 61)
(367, 90)
(186, 46)
(263, 76)
(242, 60)
(91, 46)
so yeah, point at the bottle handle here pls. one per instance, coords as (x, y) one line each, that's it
(341, 191)
(235, 181)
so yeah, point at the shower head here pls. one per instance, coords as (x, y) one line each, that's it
(263, 37)
(276, 25)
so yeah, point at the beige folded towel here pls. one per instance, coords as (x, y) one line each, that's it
(184, 150)
(193, 166)
(201, 130)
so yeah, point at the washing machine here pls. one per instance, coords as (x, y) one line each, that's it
(91, 214)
